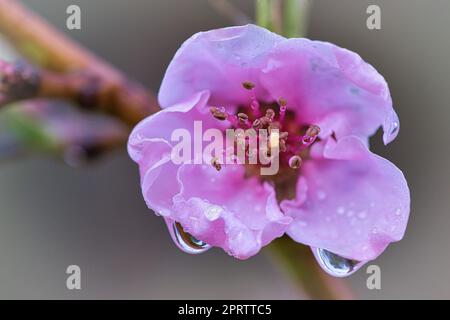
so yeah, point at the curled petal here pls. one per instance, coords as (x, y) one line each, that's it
(221, 208)
(150, 147)
(331, 87)
(219, 61)
(225, 210)
(352, 202)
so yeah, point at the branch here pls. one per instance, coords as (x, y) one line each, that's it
(20, 81)
(44, 45)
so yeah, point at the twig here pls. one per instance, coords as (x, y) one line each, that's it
(47, 47)
(20, 80)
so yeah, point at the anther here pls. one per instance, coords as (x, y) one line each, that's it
(311, 133)
(264, 121)
(254, 104)
(218, 113)
(257, 124)
(282, 145)
(295, 162)
(283, 105)
(248, 85)
(243, 118)
(216, 164)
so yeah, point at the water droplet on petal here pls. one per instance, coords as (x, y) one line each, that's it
(334, 264)
(213, 212)
(184, 240)
(394, 128)
(321, 195)
(391, 128)
(362, 214)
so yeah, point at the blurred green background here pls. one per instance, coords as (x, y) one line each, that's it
(52, 215)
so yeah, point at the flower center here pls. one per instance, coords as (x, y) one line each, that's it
(283, 130)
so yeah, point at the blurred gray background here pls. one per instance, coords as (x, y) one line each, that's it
(52, 216)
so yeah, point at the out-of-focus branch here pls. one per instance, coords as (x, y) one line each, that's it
(45, 46)
(56, 127)
(20, 80)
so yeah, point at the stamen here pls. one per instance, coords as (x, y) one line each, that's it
(216, 164)
(248, 85)
(254, 104)
(233, 119)
(283, 106)
(295, 162)
(270, 114)
(274, 126)
(283, 143)
(219, 113)
(283, 147)
(243, 119)
(313, 131)
(257, 124)
(264, 121)
(284, 135)
(311, 134)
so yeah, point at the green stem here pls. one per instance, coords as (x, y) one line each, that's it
(287, 17)
(263, 13)
(299, 261)
(292, 18)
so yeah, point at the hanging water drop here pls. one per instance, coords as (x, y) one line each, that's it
(391, 128)
(184, 240)
(394, 128)
(334, 264)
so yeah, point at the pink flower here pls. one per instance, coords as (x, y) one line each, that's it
(330, 192)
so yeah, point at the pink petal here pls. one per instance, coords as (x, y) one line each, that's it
(221, 208)
(150, 146)
(331, 87)
(218, 61)
(352, 202)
